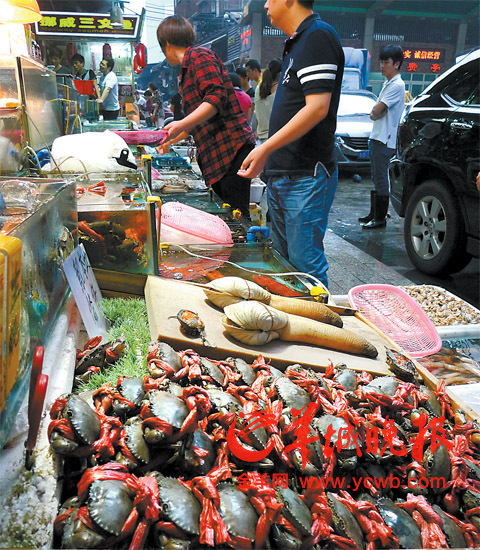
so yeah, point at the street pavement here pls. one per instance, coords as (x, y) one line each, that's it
(379, 253)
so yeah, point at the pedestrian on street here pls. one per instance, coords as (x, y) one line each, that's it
(214, 117)
(299, 157)
(158, 113)
(264, 97)
(386, 116)
(109, 105)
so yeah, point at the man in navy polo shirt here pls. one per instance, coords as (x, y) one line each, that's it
(299, 156)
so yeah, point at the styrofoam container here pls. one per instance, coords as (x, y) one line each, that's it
(256, 191)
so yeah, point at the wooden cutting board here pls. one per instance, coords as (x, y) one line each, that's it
(165, 297)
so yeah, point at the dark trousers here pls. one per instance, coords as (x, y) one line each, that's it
(234, 189)
(110, 115)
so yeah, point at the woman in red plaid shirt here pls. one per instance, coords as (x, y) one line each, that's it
(213, 114)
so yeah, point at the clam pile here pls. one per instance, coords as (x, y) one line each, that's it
(442, 308)
(225, 454)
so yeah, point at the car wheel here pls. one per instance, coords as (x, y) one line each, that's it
(434, 230)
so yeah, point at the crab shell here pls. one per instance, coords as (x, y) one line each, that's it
(344, 521)
(432, 405)
(199, 466)
(243, 368)
(135, 441)
(347, 378)
(383, 385)
(210, 369)
(223, 401)
(400, 522)
(109, 504)
(292, 395)
(337, 422)
(85, 424)
(238, 514)
(77, 535)
(179, 505)
(168, 407)
(131, 389)
(452, 533)
(295, 510)
(437, 464)
(401, 366)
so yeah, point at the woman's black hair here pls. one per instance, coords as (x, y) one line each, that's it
(269, 77)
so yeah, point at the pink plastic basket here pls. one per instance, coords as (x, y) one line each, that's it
(141, 137)
(202, 226)
(398, 316)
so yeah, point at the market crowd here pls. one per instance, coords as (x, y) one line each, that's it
(287, 135)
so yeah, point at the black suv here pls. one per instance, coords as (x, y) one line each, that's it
(433, 174)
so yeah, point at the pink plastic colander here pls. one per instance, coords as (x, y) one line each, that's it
(398, 316)
(183, 223)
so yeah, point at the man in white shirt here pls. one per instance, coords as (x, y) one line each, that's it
(108, 96)
(386, 115)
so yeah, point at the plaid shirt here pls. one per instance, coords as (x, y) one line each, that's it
(204, 78)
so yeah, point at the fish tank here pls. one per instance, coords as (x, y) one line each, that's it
(48, 235)
(258, 262)
(116, 223)
(458, 362)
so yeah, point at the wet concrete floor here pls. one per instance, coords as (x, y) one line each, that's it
(382, 247)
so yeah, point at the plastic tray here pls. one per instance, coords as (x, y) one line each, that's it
(398, 316)
(202, 226)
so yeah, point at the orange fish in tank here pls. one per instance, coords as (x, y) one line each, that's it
(275, 287)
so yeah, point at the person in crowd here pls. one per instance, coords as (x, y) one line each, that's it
(254, 71)
(140, 102)
(158, 113)
(245, 82)
(248, 89)
(264, 96)
(108, 90)
(56, 61)
(149, 108)
(386, 115)
(176, 106)
(243, 98)
(214, 117)
(79, 71)
(299, 156)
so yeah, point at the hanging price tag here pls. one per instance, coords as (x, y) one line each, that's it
(86, 292)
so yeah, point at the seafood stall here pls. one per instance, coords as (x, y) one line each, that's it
(233, 402)
(93, 36)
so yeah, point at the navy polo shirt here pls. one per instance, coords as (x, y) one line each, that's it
(313, 62)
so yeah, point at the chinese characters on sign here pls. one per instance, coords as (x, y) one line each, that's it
(85, 24)
(86, 292)
(424, 55)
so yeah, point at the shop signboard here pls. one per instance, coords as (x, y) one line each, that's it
(93, 25)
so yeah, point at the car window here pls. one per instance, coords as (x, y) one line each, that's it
(355, 104)
(462, 86)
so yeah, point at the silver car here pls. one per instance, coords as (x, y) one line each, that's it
(353, 128)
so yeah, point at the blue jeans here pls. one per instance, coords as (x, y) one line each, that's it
(299, 208)
(380, 156)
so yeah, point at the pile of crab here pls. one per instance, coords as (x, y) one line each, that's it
(224, 454)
